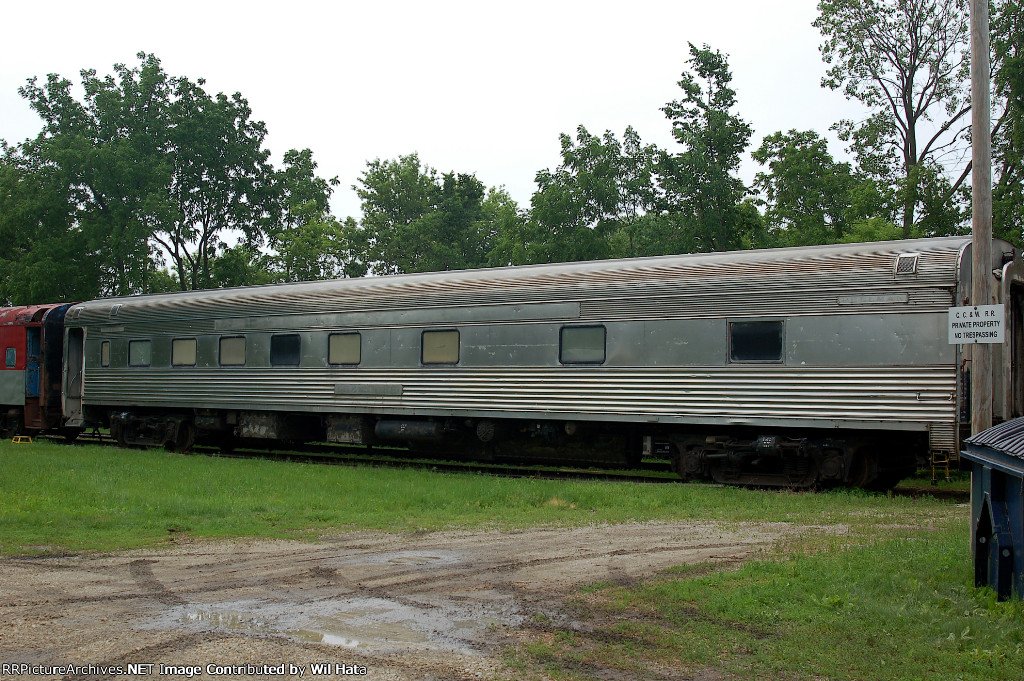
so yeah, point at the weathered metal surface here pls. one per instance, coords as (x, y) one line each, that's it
(12, 387)
(259, 425)
(787, 281)
(997, 507)
(864, 341)
(33, 336)
(910, 399)
(352, 430)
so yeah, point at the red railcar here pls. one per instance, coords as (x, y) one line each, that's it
(31, 353)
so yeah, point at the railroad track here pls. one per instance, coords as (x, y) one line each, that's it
(382, 457)
(386, 457)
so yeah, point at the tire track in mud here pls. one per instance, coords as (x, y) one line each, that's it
(421, 606)
(227, 575)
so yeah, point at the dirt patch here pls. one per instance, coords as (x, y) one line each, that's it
(435, 606)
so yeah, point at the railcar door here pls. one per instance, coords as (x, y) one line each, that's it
(32, 361)
(74, 366)
(33, 371)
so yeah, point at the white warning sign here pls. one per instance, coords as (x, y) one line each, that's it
(977, 324)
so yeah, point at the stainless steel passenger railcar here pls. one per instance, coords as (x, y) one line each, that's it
(789, 367)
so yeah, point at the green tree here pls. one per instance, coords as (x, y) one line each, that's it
(507, 229)
(222, 180)
(601, 190)
(315, 250)
(908, 62)
(104, 156)
(146, 160)
(416, 221)
(44, 258)
(1008, 140)
(806, 192)
(308, 242)
(700, 183)
(240, 265)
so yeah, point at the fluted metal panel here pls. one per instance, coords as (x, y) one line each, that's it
(921, 397)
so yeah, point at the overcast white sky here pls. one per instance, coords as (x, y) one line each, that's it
(475, 87)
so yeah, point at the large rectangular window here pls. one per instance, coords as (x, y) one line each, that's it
(105, 354)
(755, 341)
(183, 352)
(285, 350)
(232, 351)
(581, 345)
(344, 348)
(140, 353)
(440, 347)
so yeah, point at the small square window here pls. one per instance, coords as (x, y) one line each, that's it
(140, 353)
(755, 341)
(183, 352)
(232, 351)
(105, 354)
(12, 358)
(285, 350)
(440, 347)
(581, 345)
(344, 348)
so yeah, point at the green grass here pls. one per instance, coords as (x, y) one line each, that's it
(881, 603)
(880, 589)
(56, 498)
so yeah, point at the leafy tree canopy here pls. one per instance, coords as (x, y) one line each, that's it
(700, 182)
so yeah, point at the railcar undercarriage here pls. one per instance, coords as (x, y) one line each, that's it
(787, 460)
(853, 460)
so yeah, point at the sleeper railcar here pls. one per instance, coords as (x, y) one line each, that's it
(32, 342)
(786, 367)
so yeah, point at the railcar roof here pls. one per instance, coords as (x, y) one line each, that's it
(25, 313)
(695, 265)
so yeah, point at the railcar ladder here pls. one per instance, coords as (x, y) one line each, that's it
(940, 460)
(21, 440)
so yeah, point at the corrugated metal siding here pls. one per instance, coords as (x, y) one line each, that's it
(768, 395)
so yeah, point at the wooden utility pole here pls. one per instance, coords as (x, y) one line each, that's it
(981, 203)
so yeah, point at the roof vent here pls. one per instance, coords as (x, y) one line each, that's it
(114, 310)
(906, 263)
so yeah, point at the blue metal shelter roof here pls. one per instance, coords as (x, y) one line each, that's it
(1007, 438)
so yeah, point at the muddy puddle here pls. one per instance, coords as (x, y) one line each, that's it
(368, 624)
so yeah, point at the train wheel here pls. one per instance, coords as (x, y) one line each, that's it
(687, 463)
(861, 467)
(184, 438)
(9, 423)
(117, 432)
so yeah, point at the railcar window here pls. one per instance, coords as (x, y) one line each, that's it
(105, 354)
(232, 351)
(183, 352)
(581, 345)
(285, 350)
(440, 347)
(755, 341)
(12, 358)
(344, 348)
(140, 353)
